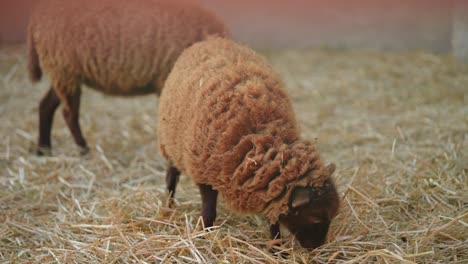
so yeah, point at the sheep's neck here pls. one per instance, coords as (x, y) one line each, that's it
(268, 171)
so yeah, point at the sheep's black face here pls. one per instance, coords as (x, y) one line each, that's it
(310, 214)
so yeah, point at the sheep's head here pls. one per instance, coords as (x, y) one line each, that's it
(311, 210)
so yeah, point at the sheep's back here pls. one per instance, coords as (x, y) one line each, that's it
(122, 47)
(219, 99)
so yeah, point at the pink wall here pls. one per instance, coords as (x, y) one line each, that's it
(381, 24)
(13, 19)
(392, 24)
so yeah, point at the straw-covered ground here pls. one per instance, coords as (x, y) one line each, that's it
(396, 125)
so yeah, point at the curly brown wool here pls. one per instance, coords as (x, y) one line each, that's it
(226, 121)
(118, 47)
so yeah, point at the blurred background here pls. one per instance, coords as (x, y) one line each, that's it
(378, 84)
(434, 25)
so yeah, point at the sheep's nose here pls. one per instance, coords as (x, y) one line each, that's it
(311, 244)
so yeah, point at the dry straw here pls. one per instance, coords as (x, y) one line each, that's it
(396, 125)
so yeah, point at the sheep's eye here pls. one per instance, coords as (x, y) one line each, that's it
(313, 220)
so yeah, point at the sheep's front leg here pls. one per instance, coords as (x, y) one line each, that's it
(209, 197)
(47, 107)
(275, 231)
(276, 234)
(71, 114)
(172, 178)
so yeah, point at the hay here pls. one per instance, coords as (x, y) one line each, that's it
(395, 124)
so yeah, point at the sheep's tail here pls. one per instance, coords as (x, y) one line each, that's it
(35, 72)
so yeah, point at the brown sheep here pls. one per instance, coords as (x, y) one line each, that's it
(118, 47)
(226, 120)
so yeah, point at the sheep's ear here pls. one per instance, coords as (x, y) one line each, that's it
(330, 169)
(300, 197)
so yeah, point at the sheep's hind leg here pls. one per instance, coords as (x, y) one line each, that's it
(172, 178)
(47, 107)
(209, 197)
(71, 114)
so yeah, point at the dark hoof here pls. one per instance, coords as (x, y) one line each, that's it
(274, 246)
(42, 151)
(279, 253)
(166, 212)
(171, 203)
(83, 150)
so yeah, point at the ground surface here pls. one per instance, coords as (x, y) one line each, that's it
(396, 125)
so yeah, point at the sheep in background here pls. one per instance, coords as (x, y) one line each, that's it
(114, 46)
(226, 121)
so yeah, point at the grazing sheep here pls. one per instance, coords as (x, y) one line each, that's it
(115, 46)
(225, 120)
